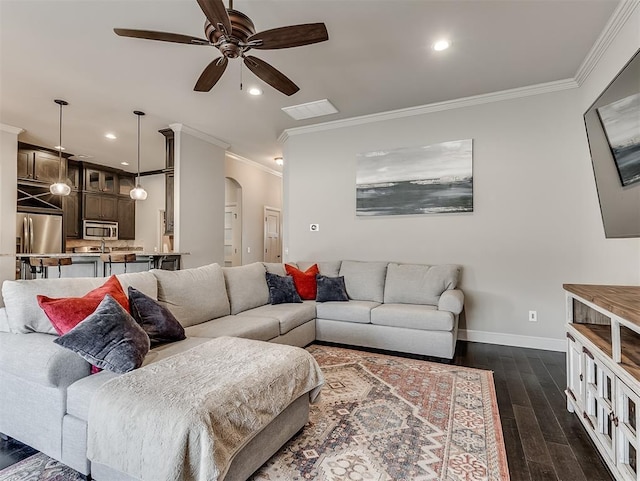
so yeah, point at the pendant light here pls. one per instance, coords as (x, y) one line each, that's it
(138, 193)
(60, 187)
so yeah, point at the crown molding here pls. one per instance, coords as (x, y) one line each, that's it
(11, 129)
(253, 163)
(200, 135)
(618, 19)
(499, 96)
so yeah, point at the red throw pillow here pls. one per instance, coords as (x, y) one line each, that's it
(66, 312)
(305, 282)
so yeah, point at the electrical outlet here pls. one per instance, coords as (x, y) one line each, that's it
(314, 227)
(533, 316)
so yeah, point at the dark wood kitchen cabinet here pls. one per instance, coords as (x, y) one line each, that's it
(71, 215)
(100, 207)
(103, 181)
(126, 218)
(39, 165)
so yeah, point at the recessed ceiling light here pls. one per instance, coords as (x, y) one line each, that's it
(124, 163)
(255, 91)
(110, 136)
(441, 45)
(59, 147)
(279, 160)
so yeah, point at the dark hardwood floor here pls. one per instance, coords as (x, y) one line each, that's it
(543, 440)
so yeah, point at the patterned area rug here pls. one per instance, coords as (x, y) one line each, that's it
(380, 418)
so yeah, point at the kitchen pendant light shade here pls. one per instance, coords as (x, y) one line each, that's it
(138, 193)
(60, 187)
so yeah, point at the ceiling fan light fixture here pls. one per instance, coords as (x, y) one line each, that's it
(138, 193)
(441, 45)
(60, 187)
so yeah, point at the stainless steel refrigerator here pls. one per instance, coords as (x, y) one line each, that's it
(38, 234)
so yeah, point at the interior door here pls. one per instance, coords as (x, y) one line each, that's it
(232, 236)
(272, 237)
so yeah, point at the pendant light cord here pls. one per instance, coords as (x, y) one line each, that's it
(60, 148)
(138, 179)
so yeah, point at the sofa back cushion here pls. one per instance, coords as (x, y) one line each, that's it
(326, 268)
(246, 286)
(364, 280)
(24, 314)
(419, 284)
(193, 295)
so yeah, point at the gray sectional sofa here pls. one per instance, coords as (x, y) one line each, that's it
(46, 390)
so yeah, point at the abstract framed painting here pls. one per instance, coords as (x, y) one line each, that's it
(431, 179)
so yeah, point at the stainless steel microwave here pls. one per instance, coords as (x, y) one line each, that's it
(99, 230)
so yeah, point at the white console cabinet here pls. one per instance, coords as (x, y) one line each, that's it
(603, 370)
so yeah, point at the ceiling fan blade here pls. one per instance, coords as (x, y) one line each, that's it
(269, 74)
(211, 74)
(163, 36)
(216, 13)
(291, 36)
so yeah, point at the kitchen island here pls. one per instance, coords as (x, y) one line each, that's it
(90, 264)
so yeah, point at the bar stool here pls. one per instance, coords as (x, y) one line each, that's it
(116, 258)
(40, 265)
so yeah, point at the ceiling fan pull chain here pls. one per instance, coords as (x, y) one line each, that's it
(240, 76)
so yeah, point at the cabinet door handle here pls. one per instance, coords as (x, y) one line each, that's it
(587, 352)
(613, 418)
(573, 339)
(581, 377)
(586, 416)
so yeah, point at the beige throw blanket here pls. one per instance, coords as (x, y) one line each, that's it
(185, 417)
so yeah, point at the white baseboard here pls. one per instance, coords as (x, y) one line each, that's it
(545, 343)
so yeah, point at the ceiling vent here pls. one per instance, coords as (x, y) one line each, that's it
(310, 110)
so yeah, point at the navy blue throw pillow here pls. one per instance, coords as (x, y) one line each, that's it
(331, 289)
(281, 289)
(157, 321)
(109, 338)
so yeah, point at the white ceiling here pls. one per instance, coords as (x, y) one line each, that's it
(378, 58)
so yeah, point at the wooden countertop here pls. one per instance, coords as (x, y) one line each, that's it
(623, 301)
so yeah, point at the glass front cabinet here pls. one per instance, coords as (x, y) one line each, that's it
(603, 372)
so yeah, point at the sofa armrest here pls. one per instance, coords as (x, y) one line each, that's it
(36, 358)
(451, 300)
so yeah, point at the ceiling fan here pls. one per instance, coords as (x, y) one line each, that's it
(234, 34)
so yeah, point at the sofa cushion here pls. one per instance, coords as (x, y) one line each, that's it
(282, 290)
(23, 313)
(246, 286)
(326, 268)
(109, 338)
(289, 316)
(352, 311)
(67, 312)
(258, 328)
(413, 316)
(193, 295)
(364, 280)
(418, 284)
(154, 318)
(275, 268)
(331, 289)
(305, 281)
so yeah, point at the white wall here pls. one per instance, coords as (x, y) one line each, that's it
(8, 176)
(199, 197)
(260, 187)
(147, 215)
(536, 222)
